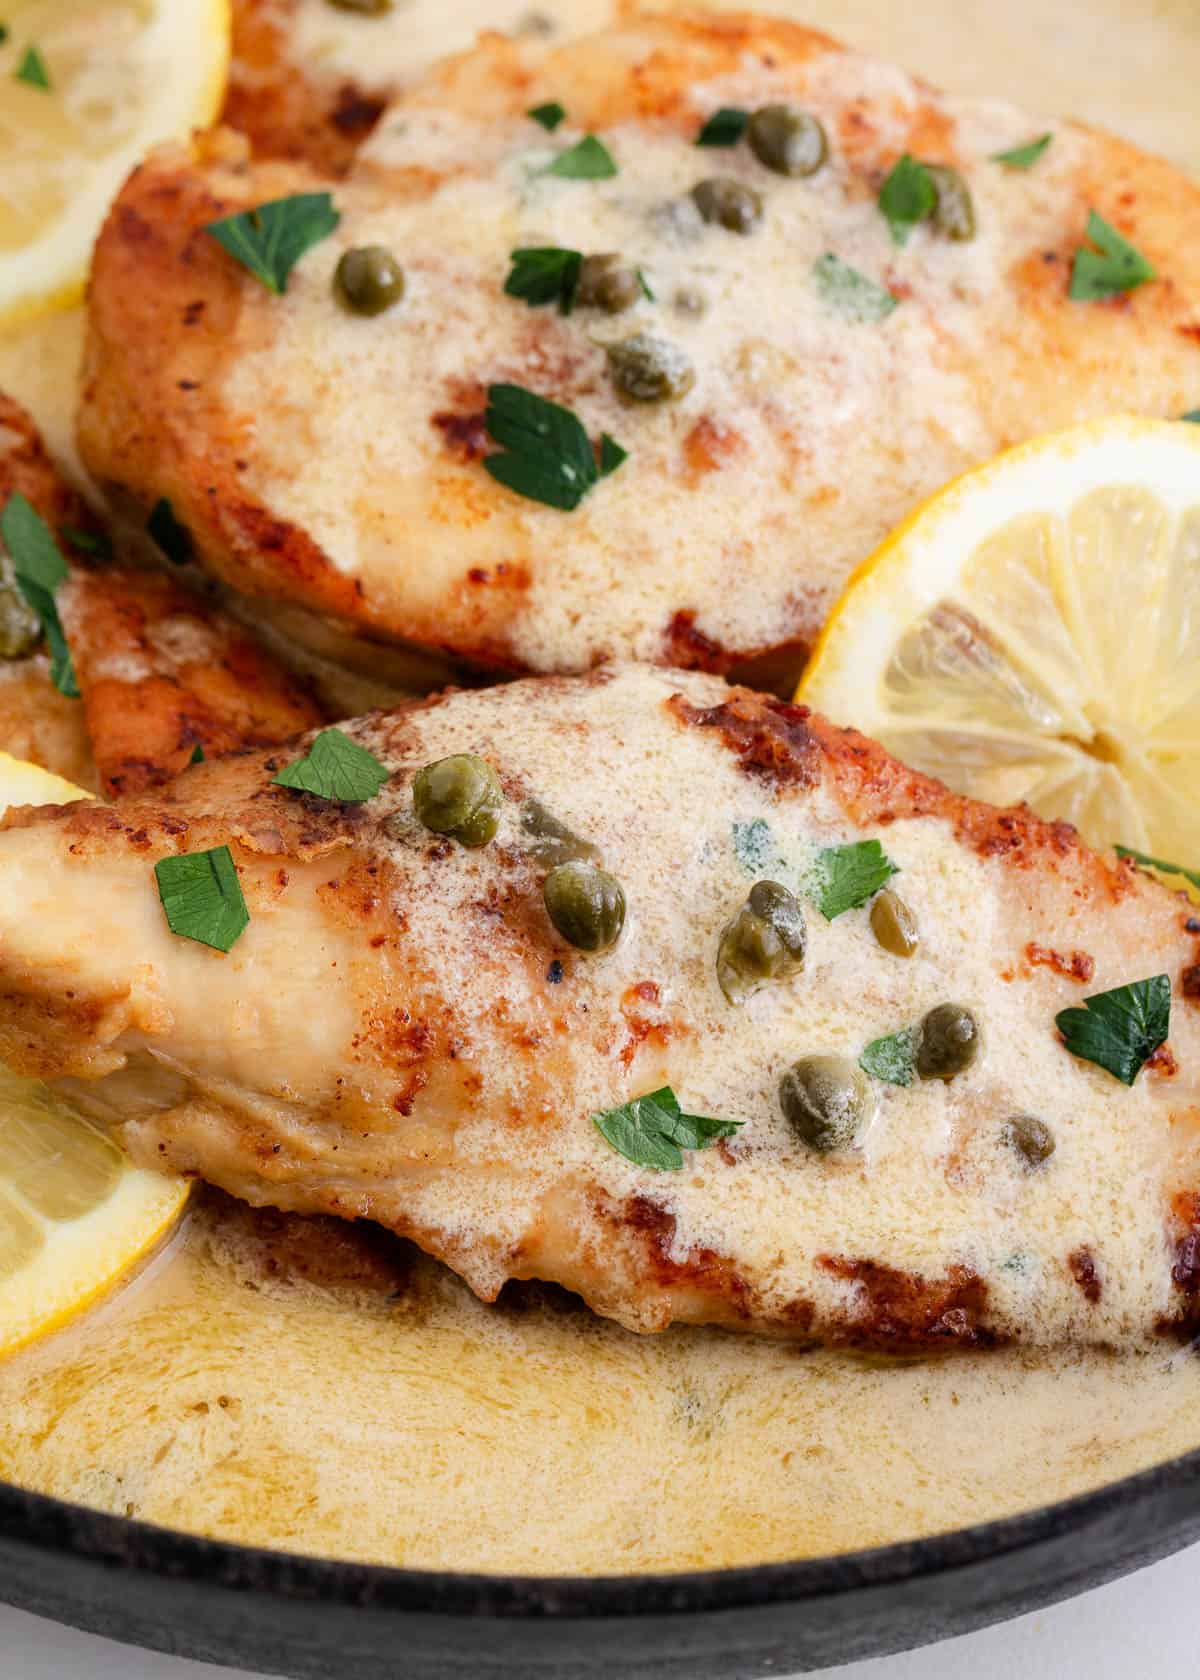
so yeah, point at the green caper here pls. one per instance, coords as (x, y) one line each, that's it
(893, 924)
(20, 627)
(787, 140)
(550, 840)
(459, 796)
(766, 940)
(606, 283)
(368, 8)
(723, 200)
(369, 280)
(1031, 1139)
(650, 370)
(954, 213)
(824, 1100)
(947, 1042)
(586, 905)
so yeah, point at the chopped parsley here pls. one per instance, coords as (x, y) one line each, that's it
(1120, 1030)
(850, 293)
(39, 569)
(32, 70)
(653, 1131)
(88, 542)
(907, 197)
(197, 755)
(1114, 268)
(1193, 414)
(335, 767)
(1023, 157)
(172, 537)
(647, 293)
(545, 453)
(270, 239)
(3, 33)
(724, 128)
(1161, 864)
(202, 897)
(892, 1059)
(549, 115)
(588, 160)
(545, 274)
(754, 845)
(848, 876)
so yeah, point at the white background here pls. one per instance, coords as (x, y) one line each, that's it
(1146, 1627)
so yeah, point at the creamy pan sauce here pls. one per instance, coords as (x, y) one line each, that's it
(402, 1422)
(393, 1418)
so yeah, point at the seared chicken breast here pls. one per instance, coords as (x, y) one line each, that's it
(402, 1033)
(336, 462)
(161, 670)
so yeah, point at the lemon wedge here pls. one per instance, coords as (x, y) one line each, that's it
(1031, 633)
(87, 87)
(74, 1214)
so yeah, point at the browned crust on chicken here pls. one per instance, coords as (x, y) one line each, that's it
(162, 673)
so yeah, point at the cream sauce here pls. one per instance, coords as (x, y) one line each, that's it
(434, 1431)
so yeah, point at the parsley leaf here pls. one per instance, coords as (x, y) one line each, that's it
(39, 569)
(1023, 157)
(589, 160)
(653, 1131)
(907, 197)
(1161, 864)
(724, 128)
(1193, 414)
(270, 239)
(546, 454)
(32, 70)
(1115, 268)
(202, 897)
(197, 756)
(850, 293)
(892, 1059)
(549, 115)
(849, 875)
(98, 543)
(545, 274)
(173, 538)
(1119, 1030)
(335, 767)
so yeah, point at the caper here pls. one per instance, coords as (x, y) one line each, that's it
(726, 201)
(459, 796)
(947, 1042)
(1031, 1138)
(368, 8)
(954, 213)
(766, 940)
(893, 924)
(586, 905)
(787, 140)
(20, 627)
(649, 370)
(605, 282)
(369, 280)
(550, 840)
(824, 1100)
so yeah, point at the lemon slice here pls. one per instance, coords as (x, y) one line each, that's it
(74, 1215)
(1032, 633)
(123, 76)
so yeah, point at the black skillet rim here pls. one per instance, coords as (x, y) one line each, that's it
(50, 1525)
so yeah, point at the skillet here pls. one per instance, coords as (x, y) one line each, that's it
(319, 1619)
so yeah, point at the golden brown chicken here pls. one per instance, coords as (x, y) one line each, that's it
(414, 1030)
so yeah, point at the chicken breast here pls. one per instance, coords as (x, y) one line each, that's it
(401, 1034)
(335, 462)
